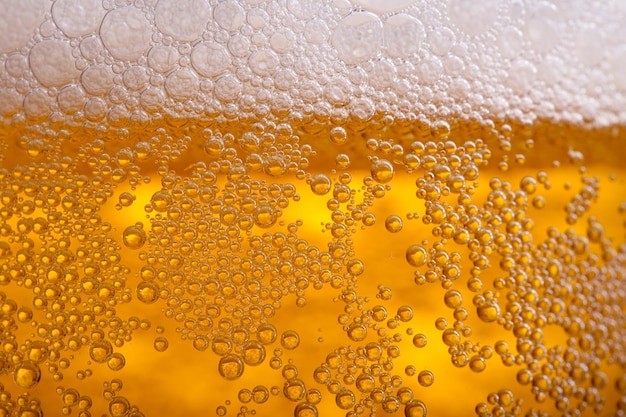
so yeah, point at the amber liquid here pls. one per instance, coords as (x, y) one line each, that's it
(241, 268)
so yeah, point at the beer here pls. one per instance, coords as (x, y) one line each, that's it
(309, 209)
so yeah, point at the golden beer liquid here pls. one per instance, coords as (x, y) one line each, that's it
(332, 258)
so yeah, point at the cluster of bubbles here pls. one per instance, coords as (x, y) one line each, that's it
(110, 61)
(233, 114)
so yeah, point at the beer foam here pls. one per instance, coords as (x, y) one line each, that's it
(552, 60)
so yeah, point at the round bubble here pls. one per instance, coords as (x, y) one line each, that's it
(126, 33)
(182, 84)
(52, 63)
(358, 37)
(210, 59)
(229, 15)
(184, 20)
(404, 35)
(77, 17)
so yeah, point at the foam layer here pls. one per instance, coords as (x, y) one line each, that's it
(93, 61)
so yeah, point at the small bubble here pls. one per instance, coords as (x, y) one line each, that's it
(415, 408)
(416, 255)
(290, 339)
(26, 375)
(393, 223)
(320, 184)
(338, 135)
(134, 237)
(161, 344)
(231, 367)
(426, 378)
(345, 399)
(420, 340)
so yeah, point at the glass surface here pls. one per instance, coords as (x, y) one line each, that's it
(312, 208)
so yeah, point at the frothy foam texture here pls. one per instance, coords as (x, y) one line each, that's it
(92, 61)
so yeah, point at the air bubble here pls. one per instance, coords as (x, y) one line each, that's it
(163, 58)
(182, 19)
(231, 367)
(228, 15)
(52, 63)
(134, 237)
(382, 171)
(126, 33)
(77, 17)
(320, 184)
(161, 344)
(210, 59)
(26, 375)
(290, 339)
(182, 84)
(416, 255)
(426, 378)
(358, 37)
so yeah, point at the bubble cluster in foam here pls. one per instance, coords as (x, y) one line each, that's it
(550, 60)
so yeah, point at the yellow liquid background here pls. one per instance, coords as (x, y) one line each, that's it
(184, 381)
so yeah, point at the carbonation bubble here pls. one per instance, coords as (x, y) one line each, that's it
(294, 389)
(415, 408)
(231, 367)
(488, 312)
(52, 63)
(290, 339)
(134, 237)
(116, 362)
(382, 171)
(77, 17)
(161, 344)
(320, 184)
(26, 375)
(345, 399)
(253, 353)
(358, 37)
(100, 351)
(477, 364)
(263, 63)
(426, 378)
(416, 255)
(420, 340)
(229, 15)
(227, 88)
(266, 333)
(210, 59)
(393, 223)
(119, 407)
(97, 80)
(260, 394)
(37, 104)
(135, 77)
(305, 410)
(453, 299)
(147, 292)
(185, 20)
(182, 84)
(126, 33)
(163, 58)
